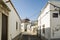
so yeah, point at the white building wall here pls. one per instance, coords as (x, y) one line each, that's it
(51, 24)
(39, 21)
(12, 19)
(28, 28)
(44, 19)
(22, 27)
(55, 22)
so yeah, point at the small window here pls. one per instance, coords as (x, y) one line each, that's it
(16, 25)
(55, 15)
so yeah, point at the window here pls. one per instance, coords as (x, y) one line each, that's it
(55, 15)
(44, 29)
(16, 25)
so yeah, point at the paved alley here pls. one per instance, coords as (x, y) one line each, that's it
(30, 37)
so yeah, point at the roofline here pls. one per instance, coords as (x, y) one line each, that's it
(46, 6)
(14, 9)
(43, 8)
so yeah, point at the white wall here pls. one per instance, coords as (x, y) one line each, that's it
(50, 22)
(12, 19)
(44, 19)
(22, 27)
(39, 23)
(55, 22)
(28, 27)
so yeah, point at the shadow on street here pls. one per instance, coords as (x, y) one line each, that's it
(30, 37)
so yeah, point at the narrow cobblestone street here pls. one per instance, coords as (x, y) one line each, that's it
(30, 37)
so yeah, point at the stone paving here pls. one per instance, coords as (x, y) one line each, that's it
(30, 37)
(29, 33)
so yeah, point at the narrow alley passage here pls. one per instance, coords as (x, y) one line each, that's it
(30, 37)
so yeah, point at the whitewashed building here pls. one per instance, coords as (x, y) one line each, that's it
(9, 21)
(34, 27)
(49, 21)
(25, 25)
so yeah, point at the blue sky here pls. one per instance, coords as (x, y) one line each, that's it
(29, 8)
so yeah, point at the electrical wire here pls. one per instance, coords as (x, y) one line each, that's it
(34, 14)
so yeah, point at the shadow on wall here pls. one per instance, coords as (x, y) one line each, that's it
(45, 33)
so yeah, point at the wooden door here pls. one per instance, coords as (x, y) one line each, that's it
(4, 27)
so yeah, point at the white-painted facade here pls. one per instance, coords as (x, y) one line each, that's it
(22, 27)
(34, 27)
(29, 27)
(13, 21)
(26, 26)
(50, 24)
